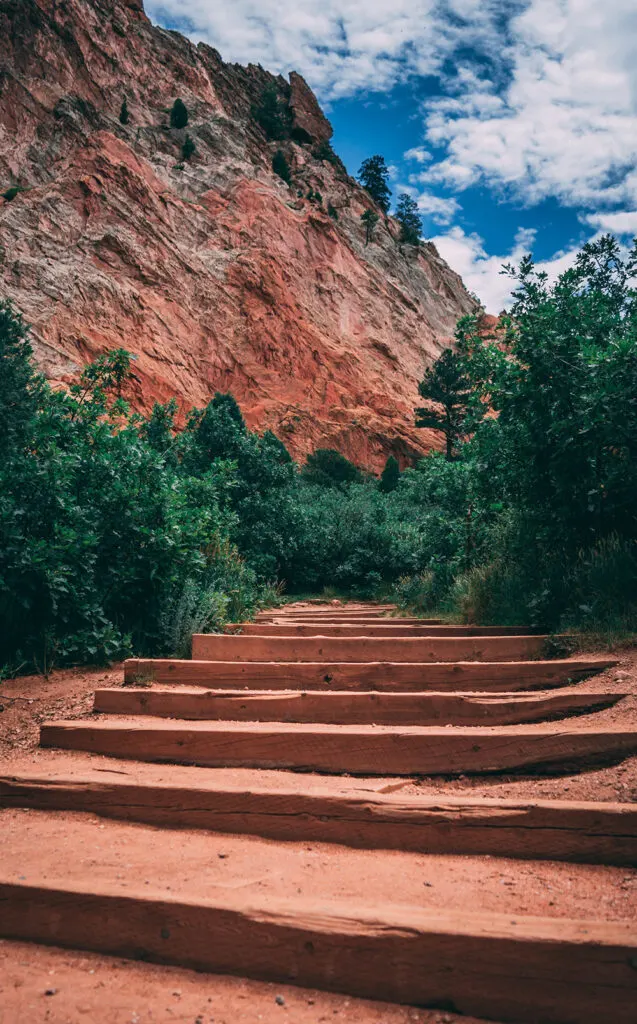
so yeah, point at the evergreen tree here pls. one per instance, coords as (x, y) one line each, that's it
(188, 149)
(179, 115)
(390, 476)
(370, 219)
(329, 468)
(124, 116)
(273, 116)
(408, 217)
(281, 167)
(447, 385)
(373, 175)
(21, 387)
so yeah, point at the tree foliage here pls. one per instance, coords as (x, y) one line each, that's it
(188, 148)
(448, 388)
(273, 114)
(369, 219)
(124, 115)
(374, 177)
(179, 114)
(408, 217)
(390, 476)
(281, 167)
(121, 532)
(328, 468)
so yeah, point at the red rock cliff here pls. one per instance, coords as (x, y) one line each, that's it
(213, 272)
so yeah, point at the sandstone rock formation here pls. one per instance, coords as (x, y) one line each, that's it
(212, 271)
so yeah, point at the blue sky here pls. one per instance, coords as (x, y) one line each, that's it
(513, 123)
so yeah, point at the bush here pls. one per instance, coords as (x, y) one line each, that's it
(300, 136)
(12, 192)
(273, 114)
(329, 468)
(102, 526)
(325, 152)
(281, 167)
(188, 149)
(178, 114)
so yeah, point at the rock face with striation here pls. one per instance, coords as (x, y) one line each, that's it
(212, 271)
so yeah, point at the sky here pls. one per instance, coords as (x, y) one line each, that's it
(513, 123)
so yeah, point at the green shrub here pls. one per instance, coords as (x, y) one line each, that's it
(178, 114)
(273, 114)
(281, 167)
(300, 136)
(12, 192)
(188, 149)
(324, 151)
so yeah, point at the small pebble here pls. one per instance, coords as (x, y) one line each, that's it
(280, 1001)
(50, 992)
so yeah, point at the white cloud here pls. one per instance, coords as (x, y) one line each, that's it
(442, 210)
(341, 46)
(621, 223)
(565, 124)
(418, 153)
(540, 95)
(481, 272)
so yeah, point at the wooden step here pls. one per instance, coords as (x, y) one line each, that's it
(217, 647)
(350, 620)
(393, 630)
(345, 707)
(525, 969)
(319, 610)
(357, 749)
(455, 676)
(300, 810)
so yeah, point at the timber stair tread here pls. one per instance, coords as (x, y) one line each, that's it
(236, 914)
(222, 647)
(292, 807)
(341, 707)
(357, 749)
(375, 675)
(387, 629)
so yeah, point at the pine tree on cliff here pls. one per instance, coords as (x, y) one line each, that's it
(373, 175)
(124, 116)
(179, 115)
(408, 217)
(448, 387)
(390, 476)
(281, 167)
(370, 219)
(273, 116)
(188, 149)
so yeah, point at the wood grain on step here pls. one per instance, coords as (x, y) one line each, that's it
(343, 707)
(512, 969)
(356, 749)
(595, 833)
(392, 630)
(217, 647)
(386, 676)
